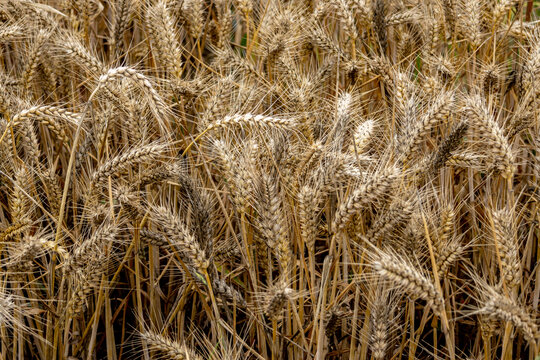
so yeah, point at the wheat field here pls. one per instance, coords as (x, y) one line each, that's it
(242, 179)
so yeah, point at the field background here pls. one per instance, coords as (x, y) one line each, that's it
(240, 179)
